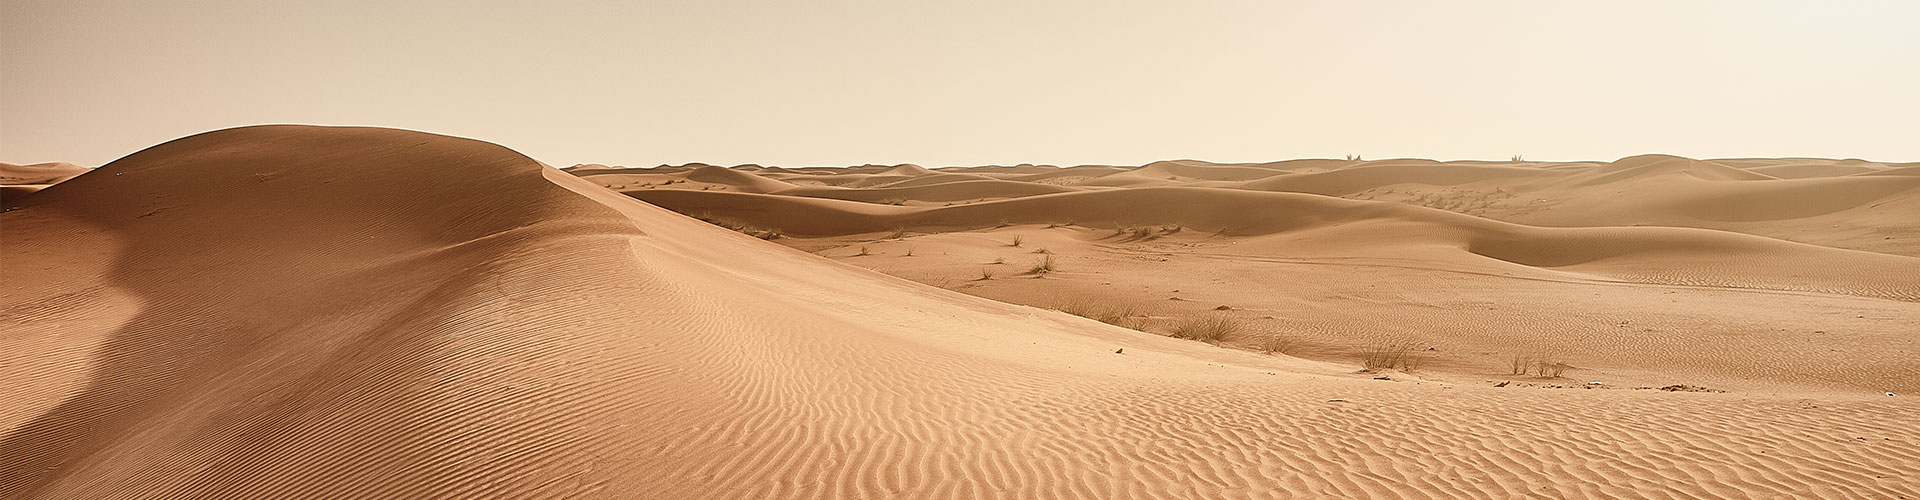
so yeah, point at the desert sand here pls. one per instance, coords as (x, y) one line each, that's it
(316, 312)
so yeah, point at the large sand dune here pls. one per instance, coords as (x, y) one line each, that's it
(305, 312)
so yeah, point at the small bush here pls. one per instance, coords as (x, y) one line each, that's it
(1104, 311)
(1390, 356)
(909, 251)
(1043, 267)
(1519, 365)
(863, 251)
(898, 233)
(1209, 328)
(1276, 344)
(1541, 366)
(1017, 240)
(1044, 251)
(986, 273)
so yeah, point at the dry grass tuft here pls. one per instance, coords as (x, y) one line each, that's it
(1104, 311)
(864, 251)
(1391, 356)
(1540, 365)
(1209, 328)
(898, 233)
(1277, 344)
(1043, 267)
(986, 273)
(909, 252)
(1017, 240)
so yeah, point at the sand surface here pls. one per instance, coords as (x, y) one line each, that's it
(307, 312)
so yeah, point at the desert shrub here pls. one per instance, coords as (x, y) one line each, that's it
(1519, 364)
(864, 251)
(1017, 240)
(1390, 356)
(986, 273)
(893, 201)
(1276, 343)
(1043, 267)
(898, 233)
(1543, 366)
(909, 251)
(1210, 328)
(1105, 311)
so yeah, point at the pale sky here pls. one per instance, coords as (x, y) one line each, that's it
(978, 82)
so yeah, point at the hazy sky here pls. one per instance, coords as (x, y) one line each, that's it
(978, 82)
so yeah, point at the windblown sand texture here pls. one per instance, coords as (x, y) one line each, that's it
(308, 312)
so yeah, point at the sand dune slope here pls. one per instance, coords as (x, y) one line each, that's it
(301, 312)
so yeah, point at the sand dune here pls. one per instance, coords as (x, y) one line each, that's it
(294, 312)
(38, 173)
(1428, 262)
(17, 181)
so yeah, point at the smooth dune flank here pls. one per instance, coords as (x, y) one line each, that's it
(315, 312)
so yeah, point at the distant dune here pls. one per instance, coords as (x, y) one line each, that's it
(315, 312)
(1618, 266)
(20, 180)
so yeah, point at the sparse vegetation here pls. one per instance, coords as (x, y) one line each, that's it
(1540, 366)
(909, 251)
(1043, 267)
(893, 201)
(1517, 159)
(1209, 328)
(1017, 240)
(1519, 364)
(1390, 356)
(986, 273)
(999, 260)
(864, 251)
(1277, 344)
(898, 233)
(1043, 250)
(754, 231)
(1105, 311)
